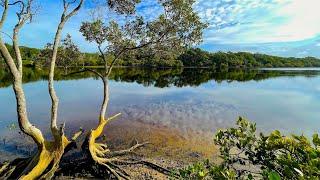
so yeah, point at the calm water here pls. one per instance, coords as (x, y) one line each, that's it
(187, 99)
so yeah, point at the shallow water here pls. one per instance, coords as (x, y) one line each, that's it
(190, 100)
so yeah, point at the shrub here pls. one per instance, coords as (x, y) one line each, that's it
(247, 155)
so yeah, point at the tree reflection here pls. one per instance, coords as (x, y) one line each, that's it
(163, 77)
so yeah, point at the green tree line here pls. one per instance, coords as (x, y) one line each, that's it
(194, 57)
(222, 60)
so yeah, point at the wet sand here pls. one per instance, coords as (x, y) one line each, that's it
(164, 142)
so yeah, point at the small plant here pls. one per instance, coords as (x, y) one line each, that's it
(247, 155)
(204, 170)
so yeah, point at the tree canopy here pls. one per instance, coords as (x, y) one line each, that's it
(177, 28)
(68, 54)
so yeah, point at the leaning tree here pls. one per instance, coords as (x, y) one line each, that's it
(46, 160)
(176, 28)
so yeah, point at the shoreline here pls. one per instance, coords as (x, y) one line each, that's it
(168, 146)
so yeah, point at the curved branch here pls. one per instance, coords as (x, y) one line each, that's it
(130, 49)
(54, 98)
(23, 120)
(75, 10)
(4, 13)
(8, 35)
(23, 16)
(94, 71)
(86, 70)
(127, 151)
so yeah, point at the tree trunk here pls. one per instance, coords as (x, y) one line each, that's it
(105, 102)
(52, 92)
(23, 120)
(43, 164)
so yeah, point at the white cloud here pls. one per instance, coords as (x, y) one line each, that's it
(239, 25)
(261, 21)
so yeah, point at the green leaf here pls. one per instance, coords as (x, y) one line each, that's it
(316, 140)
(202, 174)
(274, 176)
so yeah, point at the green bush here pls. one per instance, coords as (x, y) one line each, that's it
(247, 155)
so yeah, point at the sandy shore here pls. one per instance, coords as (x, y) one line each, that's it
(168, 147)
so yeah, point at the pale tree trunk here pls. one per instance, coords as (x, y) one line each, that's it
(46, 161)
(54, 98)
(105, 102)
(23, 120)
(17, 49)
(52, 92)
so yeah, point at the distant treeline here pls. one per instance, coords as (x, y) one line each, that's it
(194, 57)
(37, 57)
(221, 60)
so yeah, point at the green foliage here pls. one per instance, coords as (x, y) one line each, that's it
(28, 54)
(141, 40)
(204, 170)
(223, 60)
(68, 54)
(249, 155)
(273, 176)
(167, 58)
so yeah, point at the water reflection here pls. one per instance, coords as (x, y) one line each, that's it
(192, 100)
(164, 77)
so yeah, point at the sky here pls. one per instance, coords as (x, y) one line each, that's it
(276, 27)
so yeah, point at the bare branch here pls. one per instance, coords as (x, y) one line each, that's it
(130, 150)
(8, 35)
(54, 98)
(4, 13)
(24, 15)
(90, 70)
(130, 49)
(95, 72)
(76, 135)
(114, 117)
(75, 10)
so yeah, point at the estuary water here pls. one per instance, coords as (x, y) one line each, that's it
(188, 100)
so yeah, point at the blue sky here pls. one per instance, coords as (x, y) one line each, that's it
(278, 27)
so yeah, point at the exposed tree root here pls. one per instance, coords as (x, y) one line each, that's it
(42, 165)
(103, 158)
